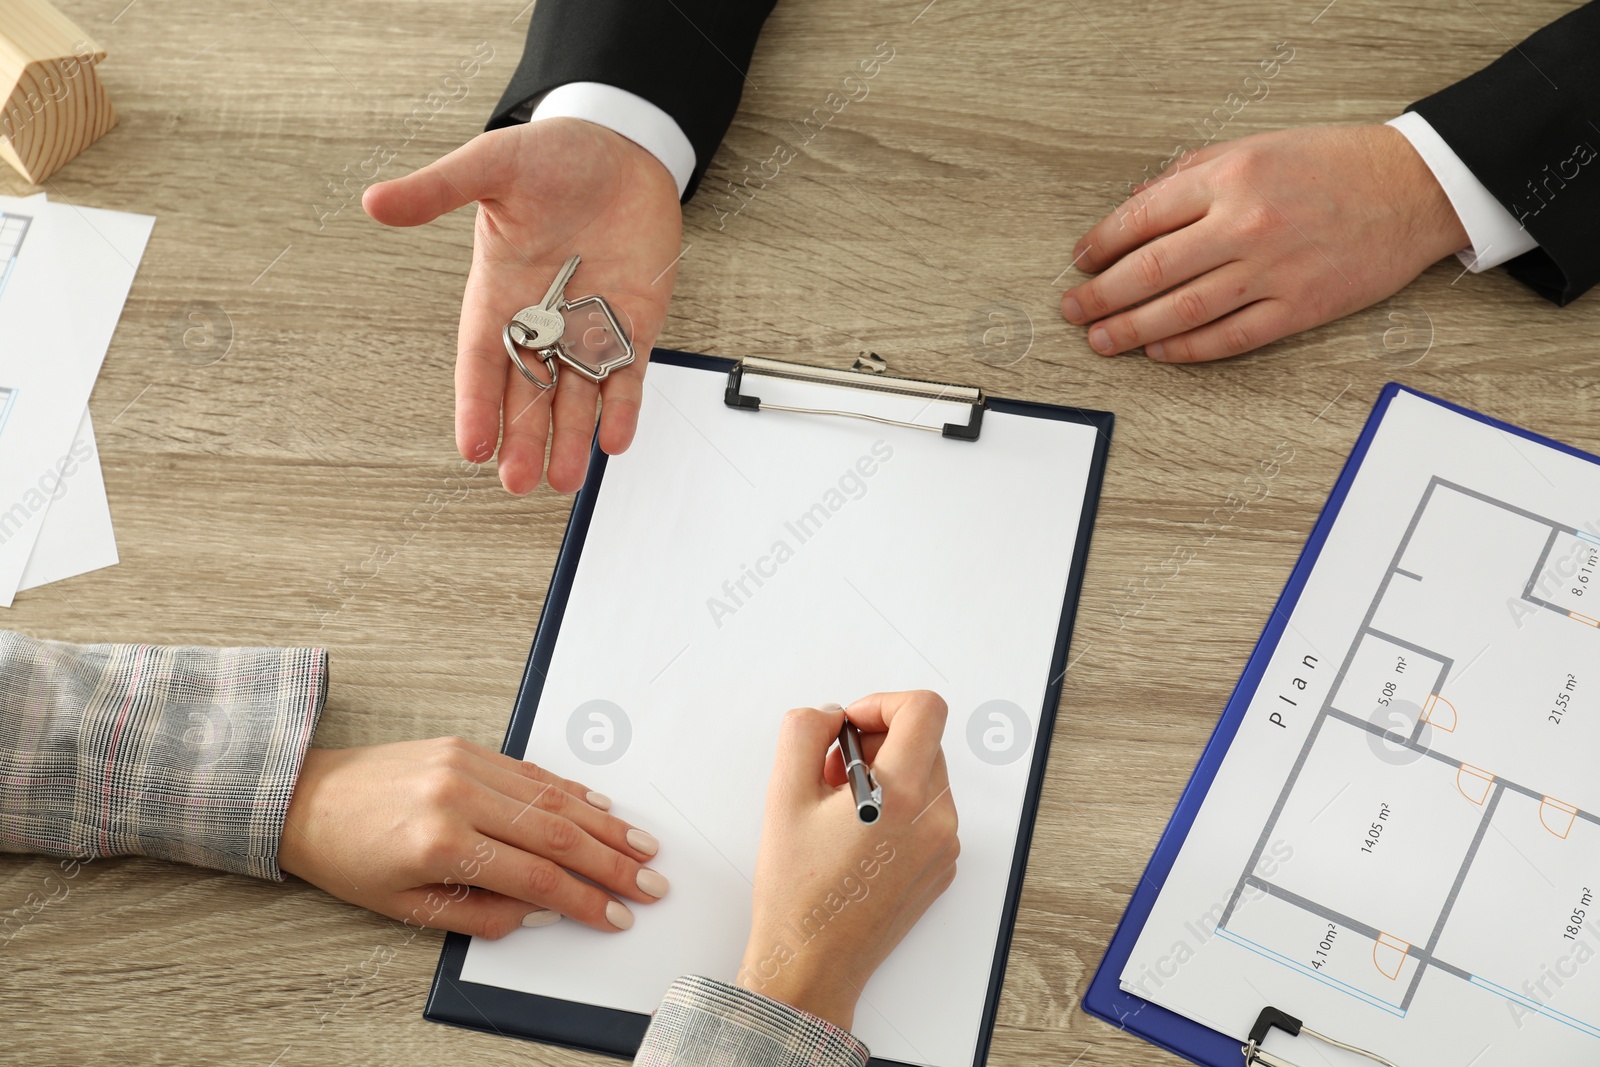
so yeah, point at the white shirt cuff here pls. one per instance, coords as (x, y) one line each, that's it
(623, 112)
(1495, 233)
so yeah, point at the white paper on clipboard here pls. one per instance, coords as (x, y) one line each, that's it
(749, 562)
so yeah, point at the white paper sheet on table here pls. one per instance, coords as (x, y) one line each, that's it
(63, 295)
(77, 536)
(945, 568)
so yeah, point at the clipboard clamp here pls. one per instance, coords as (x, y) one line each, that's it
(1271, 1018)
(735, 397)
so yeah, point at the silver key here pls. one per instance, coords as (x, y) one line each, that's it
(541, 325)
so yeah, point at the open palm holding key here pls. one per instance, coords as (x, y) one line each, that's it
(549, 192)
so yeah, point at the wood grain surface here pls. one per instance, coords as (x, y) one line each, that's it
(275, 420)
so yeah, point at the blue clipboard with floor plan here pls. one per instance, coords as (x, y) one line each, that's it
(1386, 842)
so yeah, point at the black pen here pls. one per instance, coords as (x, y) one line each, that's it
(863, 783)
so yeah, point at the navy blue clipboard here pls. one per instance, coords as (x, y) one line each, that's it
(1105, 997)
(618, 1033)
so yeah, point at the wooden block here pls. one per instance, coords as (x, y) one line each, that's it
(52, 104)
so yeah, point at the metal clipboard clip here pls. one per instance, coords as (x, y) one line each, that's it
(932, 392)
(1269, 1018)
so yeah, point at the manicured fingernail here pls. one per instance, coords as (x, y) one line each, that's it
(1071, 308)
(643, 842)
(1100, 340)
(1154, 350)
(542, 917)
(599, 800)
(829, 708)
(618, 915)
(652, 882)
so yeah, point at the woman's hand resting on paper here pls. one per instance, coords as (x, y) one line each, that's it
(834, 895)
(448, 834)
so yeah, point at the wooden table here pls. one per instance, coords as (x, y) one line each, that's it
(275, 421)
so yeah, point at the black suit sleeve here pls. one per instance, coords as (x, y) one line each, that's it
(1528, 127)
(687, 57)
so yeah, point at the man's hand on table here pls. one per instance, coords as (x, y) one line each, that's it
(1255, 239)
(546, 190)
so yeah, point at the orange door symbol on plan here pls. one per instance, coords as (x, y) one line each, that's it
(1474, 783)
(1440, 714)
(1389, 955)
(1557, 816)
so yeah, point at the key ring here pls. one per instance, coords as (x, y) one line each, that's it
(545, 357)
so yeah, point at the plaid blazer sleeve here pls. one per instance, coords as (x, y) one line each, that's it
(186, 754)
(705, 1023)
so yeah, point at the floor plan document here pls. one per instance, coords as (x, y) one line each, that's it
(1402, 844)
(65, 271)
